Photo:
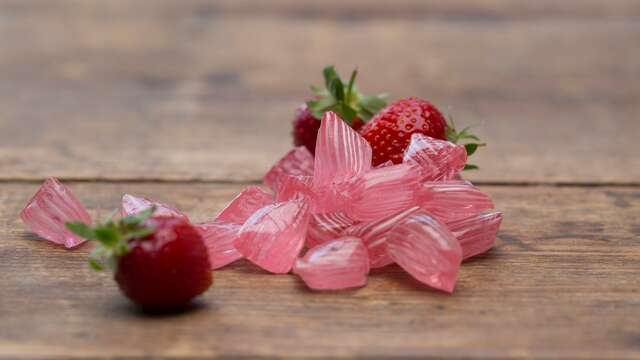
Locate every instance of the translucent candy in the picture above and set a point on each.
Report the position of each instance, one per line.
(476, 234)
(50, 208)
(219, 238)
(244, 205)
(298, 161)
(297, 187)
(341, 153)
(383, 192)
(326, 227)
(453, 199)
(132, 205)
(338, 264)
(274, 235)
(374, 235)
(426, 249)
(435, 159)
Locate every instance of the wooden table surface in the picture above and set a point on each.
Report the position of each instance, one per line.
(189, 101)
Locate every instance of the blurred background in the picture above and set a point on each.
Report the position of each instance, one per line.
(206, 90)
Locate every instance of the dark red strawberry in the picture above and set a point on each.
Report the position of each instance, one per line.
(390, 131)
(305, 128)
(343, 99)
(159, 262)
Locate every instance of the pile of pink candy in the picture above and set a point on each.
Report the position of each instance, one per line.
(350, 216)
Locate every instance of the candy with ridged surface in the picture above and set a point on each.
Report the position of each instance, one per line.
(50, 208)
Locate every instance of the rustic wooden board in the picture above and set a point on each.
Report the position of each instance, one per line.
(191, 90)
(562, 281)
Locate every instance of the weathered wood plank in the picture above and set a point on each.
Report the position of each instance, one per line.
(562, 281)
(343, 10)
(97, 90)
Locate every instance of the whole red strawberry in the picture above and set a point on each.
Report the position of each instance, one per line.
(343, 99)
(159, 262)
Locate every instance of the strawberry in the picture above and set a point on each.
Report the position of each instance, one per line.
(343, 99)
(159, 262)
(389, 132)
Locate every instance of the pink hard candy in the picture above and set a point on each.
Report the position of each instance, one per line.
(219, 238)
(297, 188)
(274, 235)
(435, 159)
(453, 199)
(341, 153)
(50, 208)
(244, 205)
(384, 191)
(132, 205)
(476, 234)
(427, 250)
(297, 162)
(326, 227)
(374, 235)
(338, 264)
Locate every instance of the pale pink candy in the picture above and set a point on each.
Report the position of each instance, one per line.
(132, 205)
(219, 238)
(453, 199)
(341, 153)
(326, 227)
(297, 187)
(436, 159)
(385, 164)
(337, 197)
(374, 235)
(338, 264)
(244, 205)
(384, 191)
(298, 162)
(477, 233)
(50, 208)
(273, 237)
(426, 249)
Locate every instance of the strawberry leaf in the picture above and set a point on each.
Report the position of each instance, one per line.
(113, 236)
(82, 230)
(344, 99)
(329, 73)
(463, 137)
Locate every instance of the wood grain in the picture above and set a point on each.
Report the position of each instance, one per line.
(206, 91)
(562, 281)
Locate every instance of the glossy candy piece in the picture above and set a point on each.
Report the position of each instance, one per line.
(383, 192)
(244, 205)
(435, 159)
(374, 235)
(476, 234)
(341, 153)
(219, 238)
(132, 205)
(297, 188)
(274, 235)
(297, 162)
(50, 208)
(326, 227)
(452, 200)
(338, 264)
(426, 249)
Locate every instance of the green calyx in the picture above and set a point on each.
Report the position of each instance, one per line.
(113, 237)
(463, 137)
(344, 99)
